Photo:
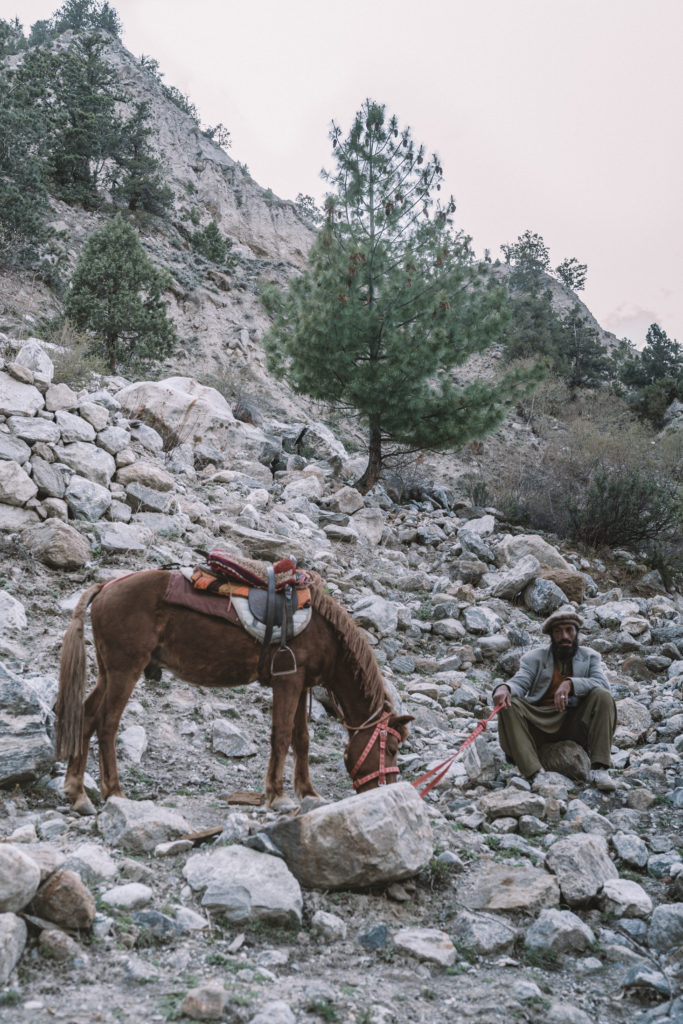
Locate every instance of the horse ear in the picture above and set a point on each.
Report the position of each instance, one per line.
(400, 723)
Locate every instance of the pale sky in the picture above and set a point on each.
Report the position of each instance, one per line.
(558, 116)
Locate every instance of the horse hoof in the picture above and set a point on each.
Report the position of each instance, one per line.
(84, 807)
(282, 803)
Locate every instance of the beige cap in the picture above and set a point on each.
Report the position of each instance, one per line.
(563, 615)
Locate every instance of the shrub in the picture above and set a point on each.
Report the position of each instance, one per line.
(624, 508)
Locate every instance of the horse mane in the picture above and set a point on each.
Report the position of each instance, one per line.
(357, 650)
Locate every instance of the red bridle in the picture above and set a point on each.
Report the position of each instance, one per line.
(380, 732)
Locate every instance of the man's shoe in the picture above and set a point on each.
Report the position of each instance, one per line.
(601, 779)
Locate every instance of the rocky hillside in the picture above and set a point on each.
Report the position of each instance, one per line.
(498, 901)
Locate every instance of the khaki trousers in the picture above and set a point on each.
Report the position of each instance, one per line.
(523, 728)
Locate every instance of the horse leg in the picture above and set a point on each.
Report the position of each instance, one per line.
(73, 782)
(120, 686)
(285, 701)
(300, 743)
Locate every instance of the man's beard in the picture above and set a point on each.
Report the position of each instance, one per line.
(564, 652)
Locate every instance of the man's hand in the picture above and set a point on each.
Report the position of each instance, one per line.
(502, 698)
(562, 694)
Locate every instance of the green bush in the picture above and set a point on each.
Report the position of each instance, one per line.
(624, 508)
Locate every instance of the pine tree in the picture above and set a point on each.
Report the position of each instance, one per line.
(391, 301)
(115, 292)
(137, 179)
(581, 358)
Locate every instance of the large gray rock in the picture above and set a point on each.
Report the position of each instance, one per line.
(113, 439)
(26, 752)
(19, 878)
(14, 519)
(512, 803)
(625, 898)
(86, 499)
(146, 473)
(512, 549)
(369, 524)
(73, 428)
(18, 399)
(245, 885)
(665, 933)
(631, 849)
(139, 826)
(57, 544)
(481, 621)
(33, 356)
(427, 944)
(633, 722)
(87, 460)
(582, 866)
(12, 613)
(92, 862)
(120, 537)
(60, 396)
(14, 448)
(510, 582)
(543, 597)
(16, 486)
(227, 739)
(13, 934)
(484, 934)
(566, 758)
(181, 410)
(147, 499)
(48, 478)
(496, 887)
(560, 931)
(380, 836)
(374, 612)
(33, 429)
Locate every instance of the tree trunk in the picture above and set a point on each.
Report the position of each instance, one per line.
(374, 466)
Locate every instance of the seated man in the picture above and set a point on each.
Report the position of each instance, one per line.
(559, 693)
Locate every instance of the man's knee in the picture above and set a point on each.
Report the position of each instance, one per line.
(600, 699)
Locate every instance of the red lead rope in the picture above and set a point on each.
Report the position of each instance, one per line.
(440, 770)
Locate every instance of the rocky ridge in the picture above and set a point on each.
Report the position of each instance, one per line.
(552, 902)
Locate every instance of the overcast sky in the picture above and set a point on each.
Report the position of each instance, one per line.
(560, 116)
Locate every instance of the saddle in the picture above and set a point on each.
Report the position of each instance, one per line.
(273, 595)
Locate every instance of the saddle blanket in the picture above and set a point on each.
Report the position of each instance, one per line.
(234, 609)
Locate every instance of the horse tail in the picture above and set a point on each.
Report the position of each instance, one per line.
(72, 678)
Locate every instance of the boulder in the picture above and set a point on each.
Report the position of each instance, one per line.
(374, 612)
(498, 887)
(57, 544)
(512, 581)
(148, 474)
(512, 803)
(428, 944)
(33, 429)
(64, 899)
(633, 722)
(245, 885)
(87, 460)
(369, 524)
(139, 826)
(19, 878)
(582, 866)
(571, 583)
(484, 934)
(14, 448)
(567, 758)
(665, 933)
(181, 410)
(625, 898)
(512, 549)
(74, 428)
(32, 355)
(13, 935)
(60, 396)
(560, 931)
(16, 486)
(18, 399)
(380, 836)
(86, 499)
(26, 752)
(543, 597)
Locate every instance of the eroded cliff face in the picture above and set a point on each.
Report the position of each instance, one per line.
(204, 176)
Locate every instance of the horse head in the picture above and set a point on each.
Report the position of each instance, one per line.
(372, 750)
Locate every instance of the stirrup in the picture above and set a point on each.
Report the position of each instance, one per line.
(287, 671)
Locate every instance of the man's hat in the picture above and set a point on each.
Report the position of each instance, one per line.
(563, 615)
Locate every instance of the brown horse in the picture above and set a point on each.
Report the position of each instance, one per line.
(135, 629)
